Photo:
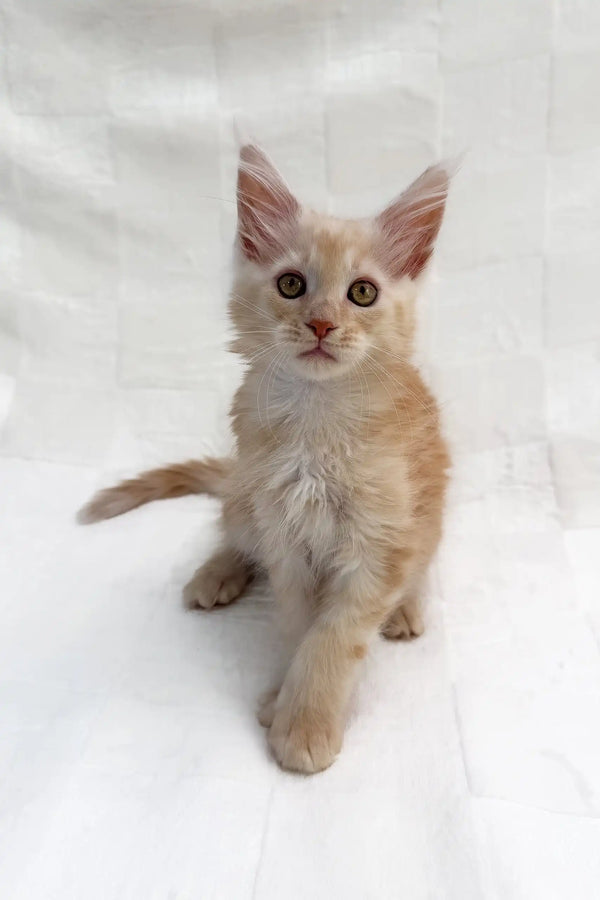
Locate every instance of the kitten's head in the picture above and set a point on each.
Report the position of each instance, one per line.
(320, 294)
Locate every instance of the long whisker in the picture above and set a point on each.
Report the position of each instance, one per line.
(402, 385)
(256, 331)
(386, 374)
(262, 349)
(384, 386)
(253, 307)
(269, 384)
(260, 387)
(255, 357)
(364, 379)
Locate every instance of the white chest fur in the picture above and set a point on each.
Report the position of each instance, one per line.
(306, 503)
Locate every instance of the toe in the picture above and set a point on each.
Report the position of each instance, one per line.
(404, 624)
(266, 708)
(302, 746)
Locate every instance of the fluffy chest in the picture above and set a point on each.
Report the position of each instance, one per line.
(316, 482)
(306, 501)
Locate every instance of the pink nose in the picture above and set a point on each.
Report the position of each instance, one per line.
(320, 328)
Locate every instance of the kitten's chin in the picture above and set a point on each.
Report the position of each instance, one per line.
(319, 366)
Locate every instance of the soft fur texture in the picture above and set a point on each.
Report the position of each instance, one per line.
(336, 489)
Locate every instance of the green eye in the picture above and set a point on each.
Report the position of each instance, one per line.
(363, 293)
(291, 285)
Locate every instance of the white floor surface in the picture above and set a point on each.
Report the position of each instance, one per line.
(131, 763)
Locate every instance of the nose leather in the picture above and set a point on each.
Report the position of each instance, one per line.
(320, 327)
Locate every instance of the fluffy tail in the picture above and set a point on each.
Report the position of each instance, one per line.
(205, 476)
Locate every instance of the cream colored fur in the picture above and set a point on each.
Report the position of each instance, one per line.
(337, 486)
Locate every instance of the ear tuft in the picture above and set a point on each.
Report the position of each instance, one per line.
(267, 210)
(409, 226)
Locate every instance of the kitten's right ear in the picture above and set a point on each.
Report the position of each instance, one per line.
(267, 211)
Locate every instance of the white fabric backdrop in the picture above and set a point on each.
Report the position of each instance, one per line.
(132, 764)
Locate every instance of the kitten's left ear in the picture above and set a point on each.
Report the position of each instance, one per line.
(267, 210)
(409, 226)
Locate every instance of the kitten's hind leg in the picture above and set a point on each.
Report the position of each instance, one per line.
(219, 581)
(406, 621)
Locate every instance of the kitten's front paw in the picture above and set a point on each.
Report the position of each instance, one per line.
(305, 744)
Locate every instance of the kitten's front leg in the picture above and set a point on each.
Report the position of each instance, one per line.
(292, 585)
(309, 716)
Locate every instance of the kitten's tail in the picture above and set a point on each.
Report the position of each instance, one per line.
(198, 476)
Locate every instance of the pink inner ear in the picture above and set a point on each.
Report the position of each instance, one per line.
(409, 226)
(267, 211)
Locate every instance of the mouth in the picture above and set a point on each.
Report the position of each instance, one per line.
(317, 352)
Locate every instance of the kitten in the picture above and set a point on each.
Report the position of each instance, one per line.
(337, 485)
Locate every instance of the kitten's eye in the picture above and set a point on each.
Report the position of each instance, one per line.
(363, 293)
(291, 285)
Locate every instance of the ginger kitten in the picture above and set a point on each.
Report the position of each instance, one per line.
(336, 488)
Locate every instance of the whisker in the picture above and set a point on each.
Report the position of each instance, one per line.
(261, 353)
(269, 383)
(363, 378)
(257, 331)
(259, 390)
(387, 375)
(252, 306)
(262, 350)
(405, 387)
(384, 386)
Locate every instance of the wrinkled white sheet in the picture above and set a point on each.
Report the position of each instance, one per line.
(132, 767)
